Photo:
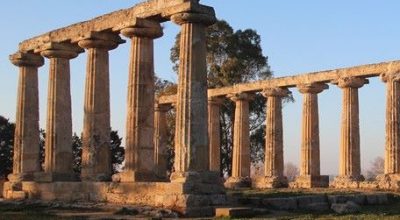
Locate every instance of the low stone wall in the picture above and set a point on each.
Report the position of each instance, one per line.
(187, 199)
(320, 203)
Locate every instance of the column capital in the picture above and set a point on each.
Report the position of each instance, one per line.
(215, 100)
(390, 77)
(100, 40)
(351, 82)
(241, 96)
(22, 59)
(275, 92)
(313, 88)
(59, 50)
(145, 32)
(186, 17)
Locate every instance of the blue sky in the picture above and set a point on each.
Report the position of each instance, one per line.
(297, 36)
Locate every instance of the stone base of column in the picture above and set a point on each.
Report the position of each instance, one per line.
(134, 176)
(349, 182)
(238, 182)
(269, 182)
(207, 177)
(388, 181)
(20, 177)
(310, 181)
(100, 177)
(47, 177)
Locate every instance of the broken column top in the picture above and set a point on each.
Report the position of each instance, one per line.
(146, 14)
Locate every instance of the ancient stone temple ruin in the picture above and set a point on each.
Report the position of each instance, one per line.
(195, 186)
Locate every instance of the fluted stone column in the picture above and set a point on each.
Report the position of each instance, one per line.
(392, 145)
(241, 142)
(191, 134)
(58, 146)
(214, 139)
(349, 166)
(161, 139)
(96, 158)
(26, 137)
(139, 151)
(273, 169)
(310, 155)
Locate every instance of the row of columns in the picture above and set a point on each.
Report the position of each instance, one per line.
(310, 176)
(143, 162)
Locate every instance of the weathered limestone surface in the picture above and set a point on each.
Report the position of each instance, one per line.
(392, 148)
(273, 176)
(96, 159)
(310, 154)
(26, 140)
(160, 10)
(58, 150)
(191, 135)
(327, 76)
(160, 140)
(350, 166)
(241, 142)
(139, 151)
(214, 105)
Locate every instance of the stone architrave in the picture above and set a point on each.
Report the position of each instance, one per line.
(26, 138)
(96, 158)
(139, 150)
(214, 139)
(349, 166)
(241, 142)
(191, 134)
(58, 145)
(274, 163)
(160, 140)
(310, 175)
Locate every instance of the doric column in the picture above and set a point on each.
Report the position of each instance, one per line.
(273, 169)
(26, 137)
(392, 143)
(139, 150)
(191, 139)
(214, 105)
(349, 166)
(241, 142)
(96, 158)
(161, 139)
(58, 145)
(310, 154)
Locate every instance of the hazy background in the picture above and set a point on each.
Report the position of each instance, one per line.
(297, 36)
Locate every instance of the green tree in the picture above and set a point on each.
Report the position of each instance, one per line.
(6, 146)
(77, 153)
(235, 57)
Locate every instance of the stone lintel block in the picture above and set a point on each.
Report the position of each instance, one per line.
(310, 181)
(237, 182)
(59, 46)
(134, 176)
(236, 212)
(158, 10)
(269, 182)
(55, 177)
(105, 36)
